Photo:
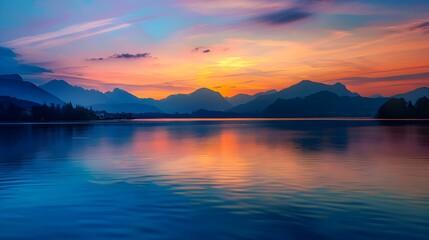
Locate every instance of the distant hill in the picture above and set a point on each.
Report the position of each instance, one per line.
(325, 104)
(414, 95)
(202, 98)
(377, 95)
(6, 101)
(14, 86)
(302, 89)
(245, 98)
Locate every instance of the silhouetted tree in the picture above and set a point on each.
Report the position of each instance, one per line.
(65, 113)
(394, 108)
(399, 108)
(422, 108)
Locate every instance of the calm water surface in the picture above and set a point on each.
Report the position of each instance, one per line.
(215, 180)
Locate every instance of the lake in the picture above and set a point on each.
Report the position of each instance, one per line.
(215, 179)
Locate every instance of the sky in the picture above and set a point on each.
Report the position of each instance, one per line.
(157, 48)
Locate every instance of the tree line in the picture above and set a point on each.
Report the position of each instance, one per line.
(400, 108)
(14, 110)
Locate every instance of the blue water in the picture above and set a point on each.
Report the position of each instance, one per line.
(215, 179)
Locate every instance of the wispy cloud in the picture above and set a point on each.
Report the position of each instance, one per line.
(363, 80)
(424, 26)
(123, 56)
(417, 25)
(68, 39)
(72, 33)
(77, 28)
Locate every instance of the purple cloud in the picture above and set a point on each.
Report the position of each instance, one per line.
(284, 16)
(123, 56)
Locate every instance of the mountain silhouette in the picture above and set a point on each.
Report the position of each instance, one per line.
(325, 104)
(13, 85)
(116, 101)
(74, 94)
(245, 98)
(121, 96)
(304, 99)
(202, 98)
(301, 89)
(414, 95)
(119, 100)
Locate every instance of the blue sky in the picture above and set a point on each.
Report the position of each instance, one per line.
(230, 46)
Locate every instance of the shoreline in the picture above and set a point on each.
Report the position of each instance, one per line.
(136, 120)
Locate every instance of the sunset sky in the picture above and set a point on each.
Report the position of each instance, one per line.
(157, 48)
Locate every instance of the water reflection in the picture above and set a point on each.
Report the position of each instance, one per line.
(215, 179)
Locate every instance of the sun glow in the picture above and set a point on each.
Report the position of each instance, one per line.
(234, 63)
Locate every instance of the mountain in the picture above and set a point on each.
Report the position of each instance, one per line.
(377, 95)
(13, 85)
(6, 101)
(245, 98)
(325, 104)
(202, 98)
(121, 96)
(414, 95)
(74, 94)
(302, 89)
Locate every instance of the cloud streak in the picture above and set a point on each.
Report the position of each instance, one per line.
(421, 26)
(72, 33)
(363, 80)
(73, 29)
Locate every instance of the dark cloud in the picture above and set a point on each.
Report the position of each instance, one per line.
(9, 64)
(31, 69)
(128, 55)
(123, 56)
(201, 49)
(284, 16)
(7, 52)
(95, 59)
(421, 26)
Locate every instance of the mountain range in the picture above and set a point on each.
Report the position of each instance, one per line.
(202, 98)
(297, 100)
(114, 101)
(301, 89)
(325, 104)
(245, 98)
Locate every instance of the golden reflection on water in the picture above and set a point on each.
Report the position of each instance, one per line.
(238, 156)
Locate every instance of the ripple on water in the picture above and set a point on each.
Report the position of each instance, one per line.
(215, 180)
